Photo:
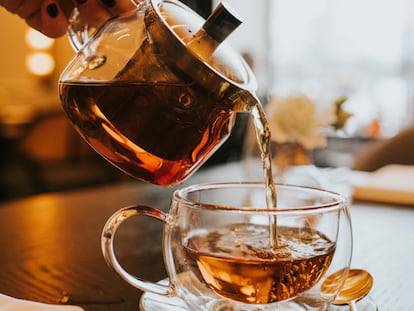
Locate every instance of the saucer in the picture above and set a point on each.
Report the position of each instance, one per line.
(366, 304)
(154, 302)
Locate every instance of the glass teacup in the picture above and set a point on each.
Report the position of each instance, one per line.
(219, 253)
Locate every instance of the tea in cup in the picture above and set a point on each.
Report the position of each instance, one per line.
(225, 250)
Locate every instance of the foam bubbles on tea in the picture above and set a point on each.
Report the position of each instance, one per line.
(237, 263)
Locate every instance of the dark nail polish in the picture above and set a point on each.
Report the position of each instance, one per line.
(109, 3)
(52, 10)
(81, 1)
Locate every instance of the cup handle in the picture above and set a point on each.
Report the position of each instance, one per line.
(107, 244)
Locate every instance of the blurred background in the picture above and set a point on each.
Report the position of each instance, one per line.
(359, 49)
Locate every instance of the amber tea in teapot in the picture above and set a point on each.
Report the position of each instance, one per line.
(152, 95)
(154, 131)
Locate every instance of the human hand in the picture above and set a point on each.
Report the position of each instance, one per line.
(51, 16)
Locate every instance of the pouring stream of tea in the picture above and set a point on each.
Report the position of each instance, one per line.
(263, 140)
(261, 125)
(216, 28)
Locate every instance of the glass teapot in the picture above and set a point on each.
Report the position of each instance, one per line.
(155, 91)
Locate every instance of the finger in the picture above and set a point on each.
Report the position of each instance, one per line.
(93, 12)
(66, 6)
(23, 8)
(117, 7)
(11, 5)
(49, 19)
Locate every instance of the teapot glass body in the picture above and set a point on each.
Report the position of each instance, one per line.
(145, 103)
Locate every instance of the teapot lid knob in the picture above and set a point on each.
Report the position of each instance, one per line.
(222, 22)
(192, 45)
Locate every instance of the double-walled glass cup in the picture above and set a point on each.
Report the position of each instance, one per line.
(225, 250)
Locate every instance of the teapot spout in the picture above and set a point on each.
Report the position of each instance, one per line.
(245, 101)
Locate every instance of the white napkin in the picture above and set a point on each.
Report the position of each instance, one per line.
(12, 304)
(392, 183)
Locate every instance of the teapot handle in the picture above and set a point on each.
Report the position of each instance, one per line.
(78, 31)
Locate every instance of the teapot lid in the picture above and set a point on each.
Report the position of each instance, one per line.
(171, 25)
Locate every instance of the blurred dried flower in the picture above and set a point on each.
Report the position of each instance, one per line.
(341, 115)
(298, 119)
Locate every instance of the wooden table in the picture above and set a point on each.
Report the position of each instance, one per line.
(50, 246)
